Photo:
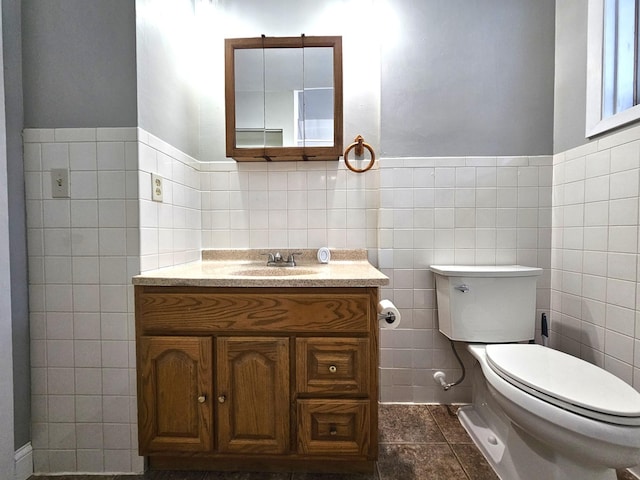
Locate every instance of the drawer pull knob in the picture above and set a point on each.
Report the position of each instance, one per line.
(333, 369)
(332, 431)
(222, 399)
(202, 399)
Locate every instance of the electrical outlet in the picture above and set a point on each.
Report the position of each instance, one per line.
(156, 187)
(59, 183)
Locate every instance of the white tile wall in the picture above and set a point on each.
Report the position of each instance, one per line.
(594, 296)
(288, 205)
(170, 231)
(407, 212)
(82, 253)
(452, 210)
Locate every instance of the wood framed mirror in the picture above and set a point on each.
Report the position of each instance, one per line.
(283, 98)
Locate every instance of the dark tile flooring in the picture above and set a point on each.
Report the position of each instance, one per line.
(416, 442)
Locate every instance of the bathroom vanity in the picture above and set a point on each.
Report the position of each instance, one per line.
(245, 367)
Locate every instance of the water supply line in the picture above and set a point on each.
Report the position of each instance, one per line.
(440, 377)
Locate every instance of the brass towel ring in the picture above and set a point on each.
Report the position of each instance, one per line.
(359, 145)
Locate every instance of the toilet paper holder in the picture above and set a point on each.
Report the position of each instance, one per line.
(388, 317)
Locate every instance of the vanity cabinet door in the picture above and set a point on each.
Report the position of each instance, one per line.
(174, 394)
(253, 394)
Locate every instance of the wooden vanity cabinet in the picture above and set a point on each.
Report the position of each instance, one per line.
(257, 378)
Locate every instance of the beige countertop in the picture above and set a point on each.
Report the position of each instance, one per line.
(247, 268)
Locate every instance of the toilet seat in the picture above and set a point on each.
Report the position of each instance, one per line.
(566, 381)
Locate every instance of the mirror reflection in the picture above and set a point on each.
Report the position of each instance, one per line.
(286, 100)
(284, 97)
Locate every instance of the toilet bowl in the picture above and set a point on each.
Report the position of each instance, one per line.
(532, 433)
(536, 413)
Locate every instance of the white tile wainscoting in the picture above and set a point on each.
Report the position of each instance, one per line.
(595, 273)
(82, 253)
(574, 214)
(465, 210)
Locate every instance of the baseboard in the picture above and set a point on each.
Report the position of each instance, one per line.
(24, 462)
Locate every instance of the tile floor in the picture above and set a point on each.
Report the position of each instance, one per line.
(417, 442)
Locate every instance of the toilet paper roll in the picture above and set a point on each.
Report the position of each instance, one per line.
(388, 314)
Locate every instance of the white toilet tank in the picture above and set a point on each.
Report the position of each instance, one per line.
(487, 304)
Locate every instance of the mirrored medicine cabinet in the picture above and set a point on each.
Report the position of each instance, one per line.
(283, 98)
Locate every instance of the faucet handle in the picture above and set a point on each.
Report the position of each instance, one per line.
(270, 257)
(291, 259)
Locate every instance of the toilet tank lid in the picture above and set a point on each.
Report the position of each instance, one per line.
(486, 270)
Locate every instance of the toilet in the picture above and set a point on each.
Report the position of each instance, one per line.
(536, 412)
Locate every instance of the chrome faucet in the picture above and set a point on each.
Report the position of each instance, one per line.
(277, 260)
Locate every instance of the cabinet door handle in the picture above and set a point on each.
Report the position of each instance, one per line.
(222, 398)
(333, 369)
(202, 398)
(333, 431)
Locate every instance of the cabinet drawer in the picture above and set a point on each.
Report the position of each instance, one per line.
(210, 310)
(332, 365)
(333, 427)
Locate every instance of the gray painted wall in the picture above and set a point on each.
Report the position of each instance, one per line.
(460, 78)
(168, 100)
(79, 63)
(469, 78)
(571, 75)
(17, 224)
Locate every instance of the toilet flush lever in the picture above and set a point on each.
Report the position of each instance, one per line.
(463, 288)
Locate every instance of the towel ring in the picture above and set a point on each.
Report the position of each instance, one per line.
(359, 145)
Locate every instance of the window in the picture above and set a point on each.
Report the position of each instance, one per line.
(613, 93)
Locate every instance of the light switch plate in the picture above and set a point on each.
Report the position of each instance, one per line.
(59, 183)
(156, 187)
